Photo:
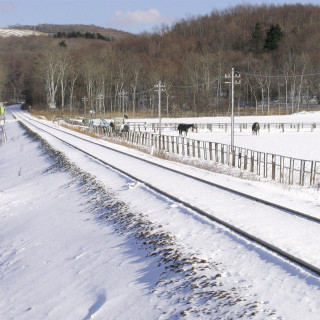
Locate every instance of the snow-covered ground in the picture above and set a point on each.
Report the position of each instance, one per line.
(5, 32)
(290, 143)
(80, 241)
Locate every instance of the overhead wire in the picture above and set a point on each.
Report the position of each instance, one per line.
(279, 75)
(286, 76)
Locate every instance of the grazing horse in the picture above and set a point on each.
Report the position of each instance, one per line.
(255, 128)
(184, 127)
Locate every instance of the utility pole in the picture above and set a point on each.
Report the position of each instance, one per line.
(233, 82)
(159, 88)
(232, 108)
(100, 97)
(85, 99)
(123, 94)
(70, 106)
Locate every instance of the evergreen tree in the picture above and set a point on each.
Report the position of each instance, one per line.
(257, 39)
(62, 44)
(273, 37)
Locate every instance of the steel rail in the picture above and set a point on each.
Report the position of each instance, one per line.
(267, 245)
(236, 192)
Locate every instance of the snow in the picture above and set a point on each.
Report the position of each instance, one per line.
(81, 241)
(4, 33)
(289, 143)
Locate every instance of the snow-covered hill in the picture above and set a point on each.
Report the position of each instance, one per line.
(4, 33)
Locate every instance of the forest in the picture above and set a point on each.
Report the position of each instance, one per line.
(274, 51)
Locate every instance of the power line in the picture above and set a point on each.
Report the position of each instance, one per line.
(200, 84)
(286, 76)
(279, 75)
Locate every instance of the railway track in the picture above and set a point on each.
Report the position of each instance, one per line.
(58, 132)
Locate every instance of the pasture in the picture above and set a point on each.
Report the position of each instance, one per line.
(285, 150)
(304, 144)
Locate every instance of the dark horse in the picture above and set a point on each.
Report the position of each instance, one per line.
(184, 127)
(255, 128)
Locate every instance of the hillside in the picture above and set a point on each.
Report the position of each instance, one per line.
(190, 58)
(52, 29)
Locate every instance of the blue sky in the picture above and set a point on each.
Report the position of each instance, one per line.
(128, 15)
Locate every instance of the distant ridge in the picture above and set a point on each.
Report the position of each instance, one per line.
(52, 29)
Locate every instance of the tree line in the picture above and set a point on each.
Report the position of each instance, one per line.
(86, 35)
(273, 49)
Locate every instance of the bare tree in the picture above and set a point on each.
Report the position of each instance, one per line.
(135, 71)
(73, 76)
(3, 80)
(51, 73)
(65, 65)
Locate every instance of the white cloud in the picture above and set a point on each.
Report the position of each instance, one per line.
(138, 17)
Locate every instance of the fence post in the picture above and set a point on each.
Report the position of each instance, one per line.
(291, 171)
(302, 170)
(155, 142)
(252, 162)
(188, 146)
(205, 152)
(216, 152)
(149, 139)
(210, 150)
(281, 169)
(199, 152)
(245, 160)
(273, 175)
(222, 153)
(314, 173)
(177, 139)
(239, 158)
(172, 143)
(311, 172)
(258, 162)
(182, 146)
(265, 167)
(233, 159)
(290, 164)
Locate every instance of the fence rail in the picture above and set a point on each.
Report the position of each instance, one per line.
(225, 127)
(282, 169)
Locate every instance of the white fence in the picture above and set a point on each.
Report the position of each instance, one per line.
(225, 127)
(282, 169)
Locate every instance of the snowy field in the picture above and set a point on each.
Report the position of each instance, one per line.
(72, 243)
(290, 143)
